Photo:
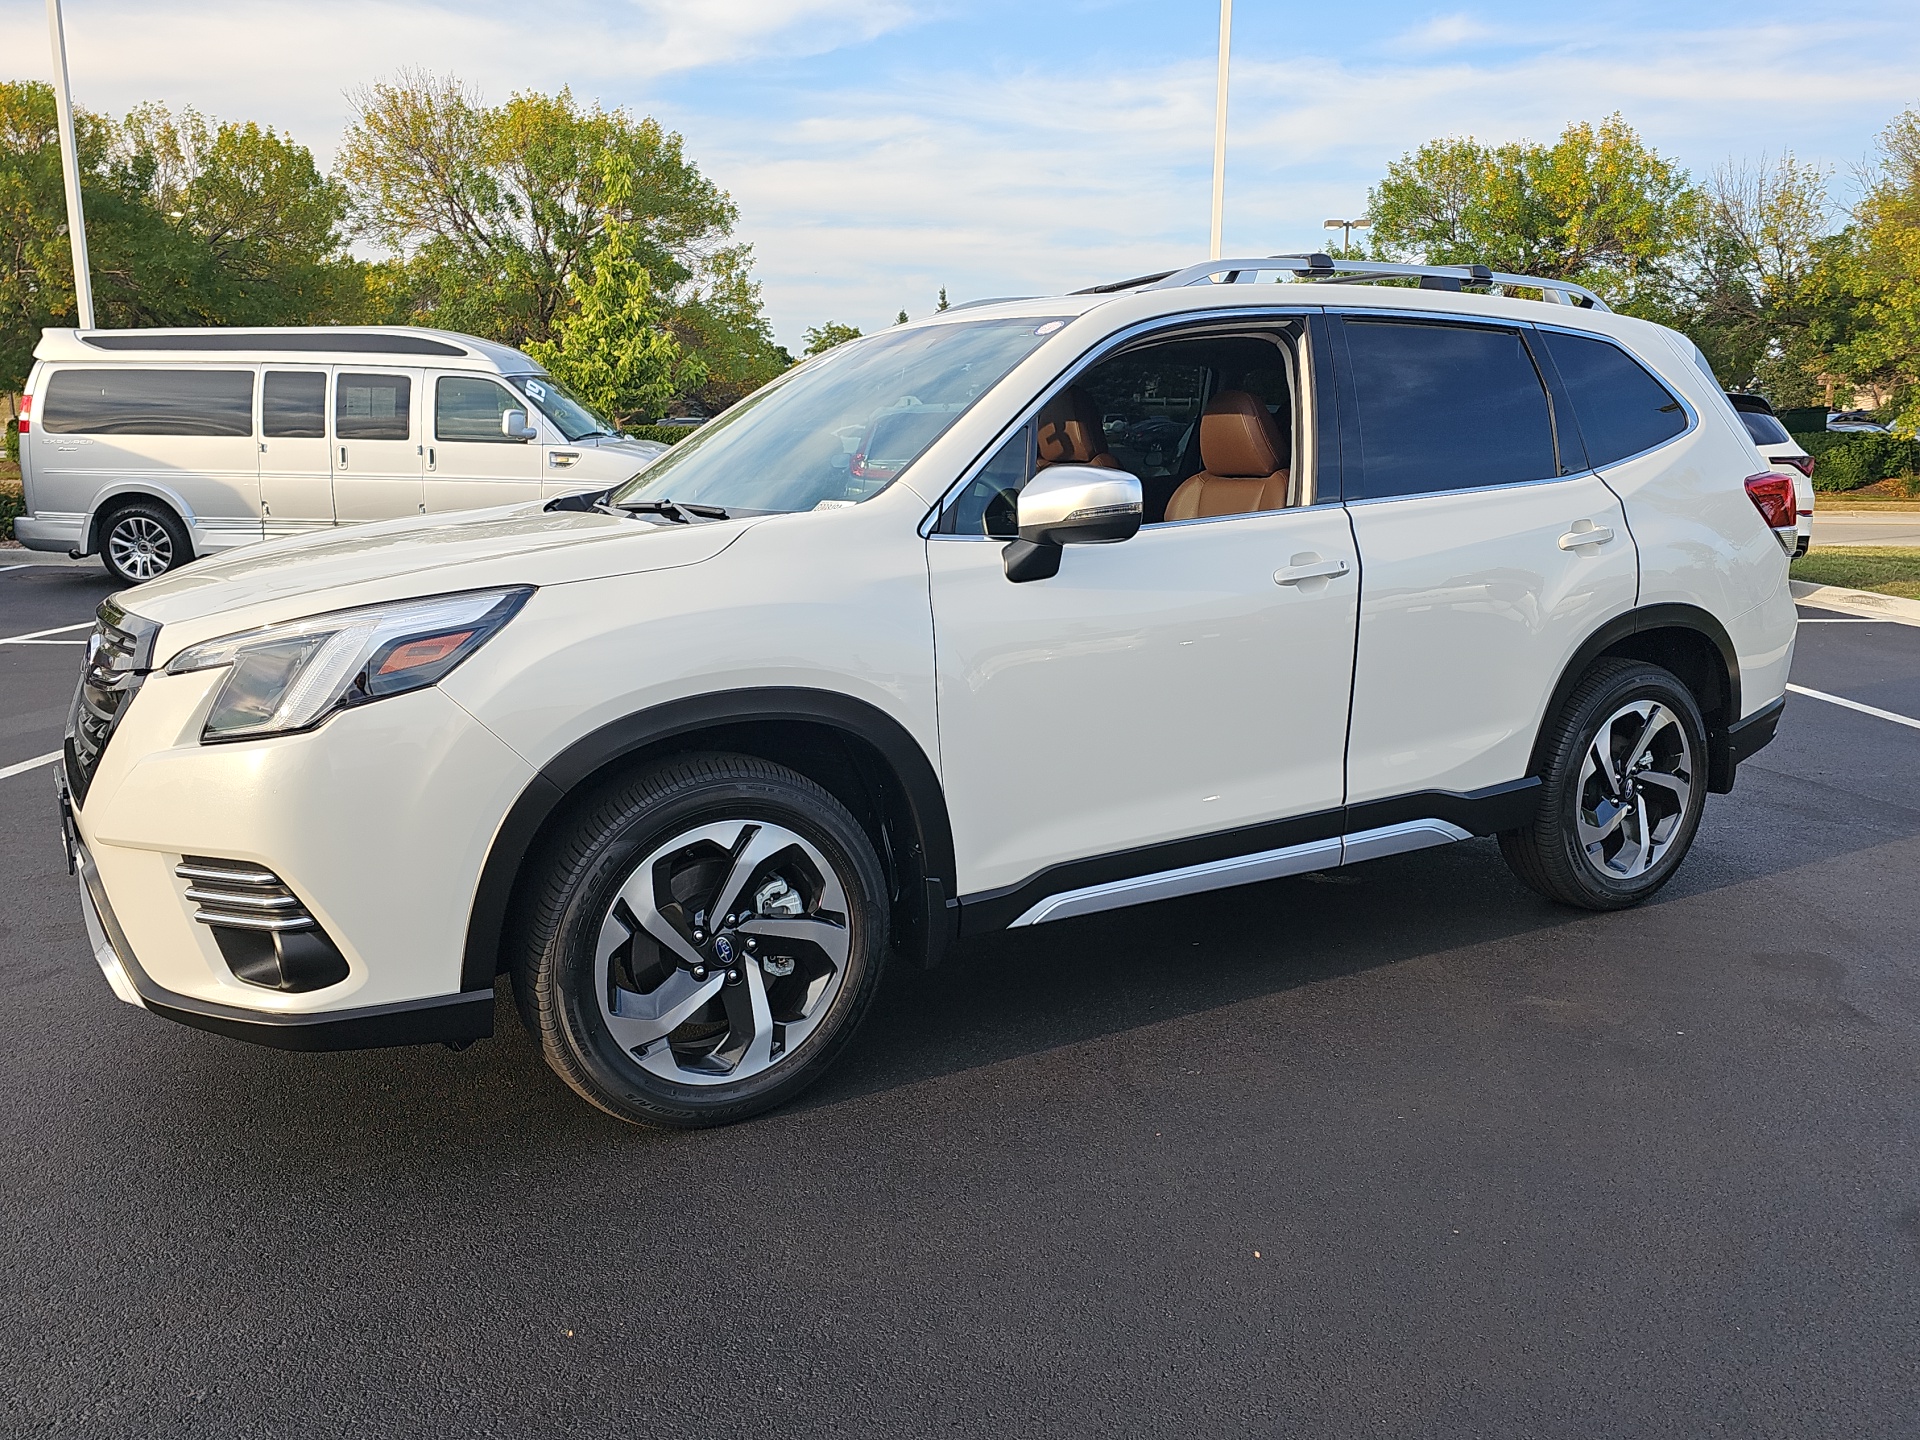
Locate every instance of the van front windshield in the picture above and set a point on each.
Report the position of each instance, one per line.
(838, 429)
(569, 416)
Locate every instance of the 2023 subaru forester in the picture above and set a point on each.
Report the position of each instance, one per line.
(1023, 612)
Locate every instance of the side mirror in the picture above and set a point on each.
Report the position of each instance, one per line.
(1071, 505)
(513, 425)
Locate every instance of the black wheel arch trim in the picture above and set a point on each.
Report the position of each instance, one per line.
(1666, 616)
(558, 778)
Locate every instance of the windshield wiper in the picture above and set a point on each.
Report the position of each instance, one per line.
(676, 511)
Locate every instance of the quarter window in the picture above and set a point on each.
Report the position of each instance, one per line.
(466, 408)
(1447, 407)
(148, 402)
(293, 405)
(1621, 408)
(372, 407)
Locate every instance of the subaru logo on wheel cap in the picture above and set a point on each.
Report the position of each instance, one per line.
(723, 949)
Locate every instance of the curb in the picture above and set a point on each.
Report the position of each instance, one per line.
(1856, 602)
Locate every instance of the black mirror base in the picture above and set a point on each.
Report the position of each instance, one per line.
(1026, 560)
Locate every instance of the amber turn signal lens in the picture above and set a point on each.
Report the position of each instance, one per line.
(422, 652)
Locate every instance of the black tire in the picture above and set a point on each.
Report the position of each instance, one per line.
(142, 540)
(562, 978)
(1553, 855)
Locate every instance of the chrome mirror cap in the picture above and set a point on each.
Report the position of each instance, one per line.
(1080, 505)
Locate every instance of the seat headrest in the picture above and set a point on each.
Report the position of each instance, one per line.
(1238, 436)
(1070, 432)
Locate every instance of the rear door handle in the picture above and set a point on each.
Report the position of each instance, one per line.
(1312, 570)
(343, 457)
(1591, 534)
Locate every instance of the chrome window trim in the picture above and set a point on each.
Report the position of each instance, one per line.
(1098, 351)
(1588, 474)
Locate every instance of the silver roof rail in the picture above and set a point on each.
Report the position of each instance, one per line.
(1325, 270)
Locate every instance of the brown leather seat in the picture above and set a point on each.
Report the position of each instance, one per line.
(1242, 449)
(1070, 432)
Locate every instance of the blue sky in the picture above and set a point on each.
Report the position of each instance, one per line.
(879, 149)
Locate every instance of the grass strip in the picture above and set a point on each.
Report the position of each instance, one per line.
(1884, 569)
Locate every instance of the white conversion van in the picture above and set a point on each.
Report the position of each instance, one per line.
(153, 447)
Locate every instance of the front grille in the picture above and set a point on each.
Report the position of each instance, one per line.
(266, 936)
(245, 897)
(119, 652)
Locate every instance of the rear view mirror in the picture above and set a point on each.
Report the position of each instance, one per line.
(1071, 505)
(513, 425)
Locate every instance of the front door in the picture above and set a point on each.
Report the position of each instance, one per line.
(378, 452)
(471, 462)
(296, 459)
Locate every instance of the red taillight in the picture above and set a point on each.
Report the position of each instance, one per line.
(26, 407)
(1772, 495)
(1802, 463)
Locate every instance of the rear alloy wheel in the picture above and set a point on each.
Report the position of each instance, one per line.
(1624, 787)
(143, 541)
(705, 942)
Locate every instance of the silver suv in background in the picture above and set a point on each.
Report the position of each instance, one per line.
(154, 447)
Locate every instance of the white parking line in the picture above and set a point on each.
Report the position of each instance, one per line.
(5, 568)
(33, 635)
(1848, 620)
(1845, 703)
(25, 765)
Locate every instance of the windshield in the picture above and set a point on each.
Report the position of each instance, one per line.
(550, 397)
(840, 428)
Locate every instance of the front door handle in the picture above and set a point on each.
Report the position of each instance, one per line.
(1585, 532)
(343, 457)
(1304, 569)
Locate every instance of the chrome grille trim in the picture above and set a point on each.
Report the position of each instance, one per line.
(119, 652)
(239, 895)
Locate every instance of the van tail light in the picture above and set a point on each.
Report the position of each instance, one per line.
(1772, 495)
(1802, 463)
(26, 409)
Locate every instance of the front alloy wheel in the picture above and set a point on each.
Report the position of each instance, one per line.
(703, 942)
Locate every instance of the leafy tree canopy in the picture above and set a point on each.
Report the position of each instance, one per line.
(828, 335)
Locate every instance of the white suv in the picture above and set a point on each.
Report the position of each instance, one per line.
(1019, 613)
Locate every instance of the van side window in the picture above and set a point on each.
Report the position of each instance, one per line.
(1447, 407)
(372, 407)
(148, 402)
(467, 408)
(1621, 408)
(293, 405)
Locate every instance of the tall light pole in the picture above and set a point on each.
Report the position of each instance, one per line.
(70, 169)
(1346, 227)
(1219, 125)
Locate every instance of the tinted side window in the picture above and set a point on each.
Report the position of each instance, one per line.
(148, 402)
(372, 407)
(1764, 429)
(468, 408)
(1621, 408)
(989, 504)
(1447, 407)
(293, 405)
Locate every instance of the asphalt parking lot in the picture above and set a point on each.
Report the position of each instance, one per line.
(1396, 1151)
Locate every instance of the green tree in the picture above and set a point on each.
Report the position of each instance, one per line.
(943, 299)
(495, 212)
(612, 345)
(826, 336)
(901, 318)
(1597, 206)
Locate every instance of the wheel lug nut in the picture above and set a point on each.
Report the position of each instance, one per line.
(751, 943)
(699, 972)
(699, 937)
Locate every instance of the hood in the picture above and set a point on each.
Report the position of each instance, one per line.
(640, 450)
(420, 555)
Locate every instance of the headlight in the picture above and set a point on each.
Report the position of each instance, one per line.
(291, 677)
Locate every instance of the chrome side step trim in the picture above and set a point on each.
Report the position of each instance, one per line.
(1245, 869)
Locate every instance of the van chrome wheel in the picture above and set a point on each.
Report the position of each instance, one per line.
(722, 951)
(139, 547)
(1636, 781)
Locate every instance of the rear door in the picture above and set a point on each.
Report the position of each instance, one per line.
(296, 458)
(1488, 552)
(378, 452)
(471, 462)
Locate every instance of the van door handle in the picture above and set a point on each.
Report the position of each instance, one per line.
(343, 457)
(1310, 570)
(1585, 532)
(561, 459)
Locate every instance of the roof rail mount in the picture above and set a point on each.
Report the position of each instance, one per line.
(1317, 268)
